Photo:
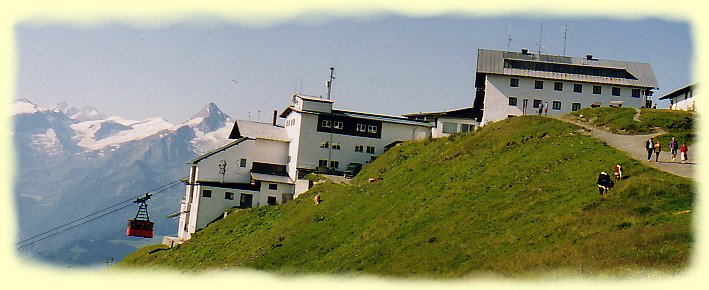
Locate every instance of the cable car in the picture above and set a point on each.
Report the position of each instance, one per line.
(141, 226)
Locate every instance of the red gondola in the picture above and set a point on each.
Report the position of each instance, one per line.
(141, 226)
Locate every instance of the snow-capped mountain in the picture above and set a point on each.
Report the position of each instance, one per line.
(72, 162)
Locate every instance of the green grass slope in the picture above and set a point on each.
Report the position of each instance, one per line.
(516, 198)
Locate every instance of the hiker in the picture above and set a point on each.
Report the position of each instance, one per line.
(683, 152)
(617, 172)
(546, 108)
(604, 183)
(649, 146)
(673, 149)
(541, 108)
(658, 149)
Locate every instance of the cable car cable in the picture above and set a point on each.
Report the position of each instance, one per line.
(157, 190)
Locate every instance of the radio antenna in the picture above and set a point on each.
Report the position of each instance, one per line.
(564, 29)
(541, 28)
(509, 36)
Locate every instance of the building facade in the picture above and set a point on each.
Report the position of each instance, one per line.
(448, 122)
(681, 99)
(511, 84)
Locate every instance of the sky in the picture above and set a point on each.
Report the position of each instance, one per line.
(387, 63)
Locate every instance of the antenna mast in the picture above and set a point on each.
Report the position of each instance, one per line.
(509, 36)
(541, 28)
(564, 29)
(329, 82)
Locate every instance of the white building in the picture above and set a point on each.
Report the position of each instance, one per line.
(448, 122)
(510, 84)
(264, 163)
(682, 98)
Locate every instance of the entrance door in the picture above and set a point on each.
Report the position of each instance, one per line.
(245, 200)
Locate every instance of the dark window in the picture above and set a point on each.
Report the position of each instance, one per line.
(539, 85)
(370, 149)
(229, 195)
(273, 186)
(596, 90)
(334, 164)
(615, 91)
(514, 82)
(361, 128)
(575, 106)
(336, 146)
(372, 129)
(466, 127)
(326, 123)
(242, 162)
(271, 200)
(556, 105)
(324, 144)
(206, 193)
(512, 101)
(635, 93)
(536, 103)
(337, 125)
(558, 86)
(511, 116)
(578, 88)
(322, 162)
(359, 148)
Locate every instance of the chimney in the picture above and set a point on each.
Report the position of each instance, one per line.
(275, 114)
(525, 51)
(589, 56)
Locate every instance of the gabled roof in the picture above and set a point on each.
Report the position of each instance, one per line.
(215, 151)
(679, 92)
(370, 116)
(581, 69)
(256, 130)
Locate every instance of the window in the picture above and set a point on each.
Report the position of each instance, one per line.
(271, 200)
(322, 162)
(334, 164)
(370, 149)
(615, 91)
(539, 85)
(536, 103)
(229, 195)
(361, 128)
(335, 146)
(359, 148)
(511, 116)
(578, 88)
(242, 162)
(514, 82)
(556, 105)
(324, 144)
(512, 101)
(207, 193)
(337, 124)
(449, 127)
(288, 159)
(372, 129)
(466, 127)
(273, 186)
(575, 106)
(558, 86)
(596, 90)
(326, 123)
(635, 93)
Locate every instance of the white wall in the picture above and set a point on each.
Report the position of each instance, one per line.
(498, 90)
(684, 102)
(437, 131)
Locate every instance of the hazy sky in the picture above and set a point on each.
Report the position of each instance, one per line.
(385, 64)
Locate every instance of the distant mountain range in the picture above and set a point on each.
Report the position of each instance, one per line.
(73, 162)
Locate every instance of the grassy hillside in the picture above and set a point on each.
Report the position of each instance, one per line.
(516, 198)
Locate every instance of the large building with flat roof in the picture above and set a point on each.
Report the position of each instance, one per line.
(509, 84)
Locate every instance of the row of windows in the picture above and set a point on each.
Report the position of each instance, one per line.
(207, 193)
(333, 163)
(339, 125)
(336, 146)
(450, 128)
(290, 122)
(555, 105)
(578, 88)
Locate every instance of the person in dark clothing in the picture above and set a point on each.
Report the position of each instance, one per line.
(604, 183)
(650, 147)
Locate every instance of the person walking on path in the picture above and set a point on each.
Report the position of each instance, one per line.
(649, 146)
(673, 149)
(541, 108)
(546, 108)
(658, 149)
(683, 152)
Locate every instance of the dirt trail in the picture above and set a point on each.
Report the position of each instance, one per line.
(634, 146)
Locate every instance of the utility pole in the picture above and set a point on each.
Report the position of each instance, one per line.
(332, 122)
(329, 82)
